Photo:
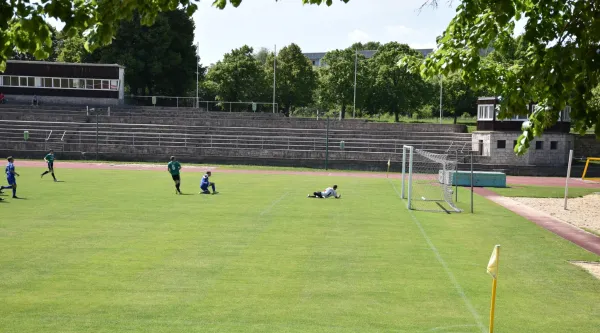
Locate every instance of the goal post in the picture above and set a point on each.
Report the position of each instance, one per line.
(427, 180)
(591, 171)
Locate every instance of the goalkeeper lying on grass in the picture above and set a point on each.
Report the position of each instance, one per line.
(329, 192)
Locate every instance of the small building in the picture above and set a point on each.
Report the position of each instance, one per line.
(63, 83)
(496, 138)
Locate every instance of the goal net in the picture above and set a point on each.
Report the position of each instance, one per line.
(591, 171)
(427, 180)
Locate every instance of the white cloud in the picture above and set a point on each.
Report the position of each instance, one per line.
(398, 31)
(358, 36)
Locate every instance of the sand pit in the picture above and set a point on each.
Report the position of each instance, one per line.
(582, 212)
(592, 267)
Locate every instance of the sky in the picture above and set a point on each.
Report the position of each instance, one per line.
(266, 23)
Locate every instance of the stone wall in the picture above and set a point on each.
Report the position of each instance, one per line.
(586, 146)
(553, 149)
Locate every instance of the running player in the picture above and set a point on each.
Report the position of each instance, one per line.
(329, 192)
(205, 183)
(174, 168)
(11, 177)
(49, 159)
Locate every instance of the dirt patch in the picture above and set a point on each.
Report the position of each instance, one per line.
(582, 212)
(592, 267)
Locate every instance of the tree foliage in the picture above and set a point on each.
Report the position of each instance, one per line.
(295, 78)
(160, 59)
(239, 77)
(336, 79)
(24, 29)
(70, 48)
(397, 89)
(561, 51)
(458, 98)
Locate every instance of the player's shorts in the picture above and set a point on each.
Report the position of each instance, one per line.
(11, 180)
(176, 177)
(204, 187)
(50, 165)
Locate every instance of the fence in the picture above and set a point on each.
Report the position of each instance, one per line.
(190, 102)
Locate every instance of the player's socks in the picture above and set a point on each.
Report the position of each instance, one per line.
(53, 176)
(45, 173)
(178, 190)
(14, 192)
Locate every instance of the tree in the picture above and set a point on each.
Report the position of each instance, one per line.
(70, 49)
(160, 59)
(458, 97)
(239, 77)
(262, 55)
(366, 46)
(562, 52)
(54, 50)
(24, 29)
(398, 89)
(296, 79)
(336, 79)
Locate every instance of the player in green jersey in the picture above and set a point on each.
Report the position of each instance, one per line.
(174, 168)
(49, 158)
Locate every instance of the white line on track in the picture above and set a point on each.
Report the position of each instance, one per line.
(447, 269)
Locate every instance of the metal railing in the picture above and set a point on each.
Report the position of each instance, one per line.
(193, 103)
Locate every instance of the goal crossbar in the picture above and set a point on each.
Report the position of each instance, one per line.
(585, 176)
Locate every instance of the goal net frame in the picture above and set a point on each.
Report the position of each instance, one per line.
(585, 169)
(430, 173)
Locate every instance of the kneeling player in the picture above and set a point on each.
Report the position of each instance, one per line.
(329, 192)
(205, 183)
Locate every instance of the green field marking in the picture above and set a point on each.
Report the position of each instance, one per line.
(524, 191)
(118, 251)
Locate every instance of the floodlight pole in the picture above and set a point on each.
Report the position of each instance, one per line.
(197, 72)
(441, 89)
(355, 70)
(274, 74)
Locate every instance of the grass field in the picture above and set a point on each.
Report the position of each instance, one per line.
(118, 251)
(543, 191)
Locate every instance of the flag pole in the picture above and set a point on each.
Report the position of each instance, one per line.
(494, 284)
(388, 169)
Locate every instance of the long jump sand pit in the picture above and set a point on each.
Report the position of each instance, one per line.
(592, 267)
(582, 212)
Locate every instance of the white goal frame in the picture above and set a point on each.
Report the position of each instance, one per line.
(446, 173)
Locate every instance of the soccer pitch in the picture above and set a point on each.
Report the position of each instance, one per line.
(118, 251)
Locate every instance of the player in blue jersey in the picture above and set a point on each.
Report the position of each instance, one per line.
(205, 183)
(11, 177)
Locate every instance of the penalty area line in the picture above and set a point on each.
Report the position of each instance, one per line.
(447, 269)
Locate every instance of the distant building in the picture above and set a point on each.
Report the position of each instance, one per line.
(60, 82)
(316, 57)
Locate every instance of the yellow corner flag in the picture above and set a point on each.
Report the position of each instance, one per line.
(388, 170)
(492, 269)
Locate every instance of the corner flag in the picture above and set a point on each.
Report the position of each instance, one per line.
(492, 267)
(388, 169)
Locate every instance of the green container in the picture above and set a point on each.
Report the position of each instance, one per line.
(342, 144)
(26, 135)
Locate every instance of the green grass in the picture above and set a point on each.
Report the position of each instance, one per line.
(543, 191)
(118, 251)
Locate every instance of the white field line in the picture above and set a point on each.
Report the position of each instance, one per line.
(447, 269)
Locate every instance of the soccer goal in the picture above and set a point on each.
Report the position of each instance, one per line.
(591, 171)
(427, 180)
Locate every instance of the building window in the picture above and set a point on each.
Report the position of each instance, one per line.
(501, 144)
(553, 145)
(56, 83)
(14, 81)
(97, 84)
(38, 82)
(31, 81)
(485, 112)
(48, 82)
(539, 145)
(23, 81)
(64, 83)
(514, 143)
(89, 84)
(114, 84)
